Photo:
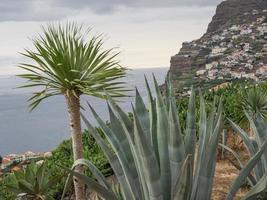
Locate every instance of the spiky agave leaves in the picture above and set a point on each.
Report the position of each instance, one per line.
(259, 188)
(152, 157)
(256, 147)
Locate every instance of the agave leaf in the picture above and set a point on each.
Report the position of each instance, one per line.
(190, 132)
(244, 136)
(137, 176)
(250, 147)
(245, 171)
(120, 134)
(201, 145)
(258, 189)
(40, 175)
(66, 186)
(251, 179)
(258, 135)
(26, 186)
(224, 137)
(152, 120)
(142, 113)
(176, 143)
(208, 164)
(183, 185)
(261, 129)
(113, 137)
(211, 122)
(51, 182)
(91, 183)
(30, 174)
(19, 175)
(140, 186)
(162, 131)
(14, 189)
(169, 92)
(97, 174)
(150, 165)
(123, 117)
(12, 184)
(123, 175)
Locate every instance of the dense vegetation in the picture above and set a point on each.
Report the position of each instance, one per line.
(62, 155)
(232, 94)
(153, 160)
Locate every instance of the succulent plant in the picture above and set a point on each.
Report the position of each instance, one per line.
(33, 183)
(256, 147)
(151, 156)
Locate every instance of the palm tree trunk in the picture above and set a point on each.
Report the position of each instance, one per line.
(73, 104)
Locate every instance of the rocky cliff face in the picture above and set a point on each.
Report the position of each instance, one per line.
(234, 47)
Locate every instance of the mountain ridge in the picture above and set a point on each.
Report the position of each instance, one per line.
(234, 47)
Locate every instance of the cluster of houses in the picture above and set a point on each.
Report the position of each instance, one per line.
(239, 51)
(16, 162)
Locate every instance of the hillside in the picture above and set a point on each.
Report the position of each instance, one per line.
(234, 47)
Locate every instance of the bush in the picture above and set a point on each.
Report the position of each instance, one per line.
(4, 192)
(232, 95)
(62, 155)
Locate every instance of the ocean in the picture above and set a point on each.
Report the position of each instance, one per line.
(45, 127)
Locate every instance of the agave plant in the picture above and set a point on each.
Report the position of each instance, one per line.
(256, 147)
(33, 183)
(152, 157)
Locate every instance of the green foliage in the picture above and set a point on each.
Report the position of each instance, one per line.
(254, 100)
(34, 182)
(4, 192)
(149, 155)
(235, 95)
(63, 156)
(67, 59)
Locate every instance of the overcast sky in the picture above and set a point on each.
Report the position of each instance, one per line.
(147, 32)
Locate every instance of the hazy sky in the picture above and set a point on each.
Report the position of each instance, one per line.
(147, 32)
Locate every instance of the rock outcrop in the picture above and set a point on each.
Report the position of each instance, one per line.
(234, 47)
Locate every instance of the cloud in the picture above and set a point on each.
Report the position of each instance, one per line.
(32, 10)
(112, 4)
(44, 10)
(146, 38)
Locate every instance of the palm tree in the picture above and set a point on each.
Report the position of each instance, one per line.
(67, 61)
(253, 100)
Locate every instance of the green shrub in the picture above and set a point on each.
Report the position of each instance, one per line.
(62, 155)
(4, 192)
(233, 95)
(33, 183)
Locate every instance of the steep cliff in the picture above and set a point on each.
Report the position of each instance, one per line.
(234, 47)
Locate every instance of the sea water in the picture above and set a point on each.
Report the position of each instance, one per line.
(46, 126)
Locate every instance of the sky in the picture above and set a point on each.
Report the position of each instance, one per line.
(146, 32)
